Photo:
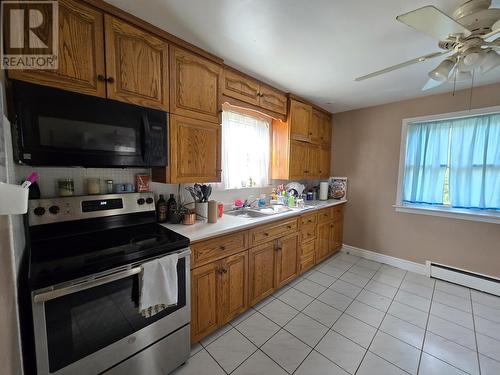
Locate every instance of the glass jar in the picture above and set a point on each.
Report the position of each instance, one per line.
(93, 186)
(66, 187)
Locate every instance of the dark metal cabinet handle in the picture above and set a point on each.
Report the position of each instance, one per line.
(110, 80)
(222, 248)
(266, 234)
(101, 78)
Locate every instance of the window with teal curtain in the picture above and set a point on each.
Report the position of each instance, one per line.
(454, 162)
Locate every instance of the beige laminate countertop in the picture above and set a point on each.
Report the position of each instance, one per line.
(228, 223)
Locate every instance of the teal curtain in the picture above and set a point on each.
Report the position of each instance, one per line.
(475, 162)
(426, 162)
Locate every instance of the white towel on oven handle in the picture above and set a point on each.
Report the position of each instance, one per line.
(158, 285)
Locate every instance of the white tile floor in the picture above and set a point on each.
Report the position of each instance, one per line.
(356, 316)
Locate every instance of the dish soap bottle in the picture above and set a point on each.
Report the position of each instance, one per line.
(171, 207)
(161, 209)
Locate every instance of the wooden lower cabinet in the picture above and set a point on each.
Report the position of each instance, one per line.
(261, 272)
(287, 259)
(204, 286)
(233, 287)
(323, 242)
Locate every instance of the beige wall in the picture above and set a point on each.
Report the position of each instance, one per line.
(365, 148)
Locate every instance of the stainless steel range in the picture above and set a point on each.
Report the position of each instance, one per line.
(85, 257)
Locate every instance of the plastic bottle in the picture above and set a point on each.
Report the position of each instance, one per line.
(171, 207)
(161, 209)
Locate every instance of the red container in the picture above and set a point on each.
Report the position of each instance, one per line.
(220, 209)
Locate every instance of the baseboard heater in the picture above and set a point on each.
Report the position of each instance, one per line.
(469, 279)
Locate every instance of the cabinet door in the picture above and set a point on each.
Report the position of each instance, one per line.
(300, 120)
(287, 259)
(272, 100)
(195, 86)
(316, 125)
(234, 286)
(323, 241)
(313, 160)
(299, 152)
(81, 52)
(261, 271)
(136, 65)
(204, 286)
(194, 150)
(325, 130)
(240, 87)
(324, 162)
(336, 235)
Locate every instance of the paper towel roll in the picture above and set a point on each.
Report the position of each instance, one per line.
(212, 211)
(323, 191)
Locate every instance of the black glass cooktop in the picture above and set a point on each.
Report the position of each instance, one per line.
(66, 251)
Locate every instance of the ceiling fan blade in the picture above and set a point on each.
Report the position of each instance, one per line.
(495, 31)
(432, 84)
(402, 65)
(430, 20)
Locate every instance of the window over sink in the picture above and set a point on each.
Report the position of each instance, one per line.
(245, 148)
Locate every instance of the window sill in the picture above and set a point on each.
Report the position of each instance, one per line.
(453, 213)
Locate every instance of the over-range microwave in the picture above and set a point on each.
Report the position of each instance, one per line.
(54, 127)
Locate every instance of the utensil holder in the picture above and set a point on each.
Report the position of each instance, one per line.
(13, 199)
(212, 211)
(201, 209)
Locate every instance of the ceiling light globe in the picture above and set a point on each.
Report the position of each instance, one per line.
(442, 71)
(491, 61)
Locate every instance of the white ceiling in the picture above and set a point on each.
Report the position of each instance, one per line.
(313, 48)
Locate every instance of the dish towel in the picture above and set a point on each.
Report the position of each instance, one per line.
(158, 285)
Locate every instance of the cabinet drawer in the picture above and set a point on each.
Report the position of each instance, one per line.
(337, 212)
(324, 215)
(307, 232)
(307, 248)
(309, 219)
(306, 262)
(217, 248)
(271, 231)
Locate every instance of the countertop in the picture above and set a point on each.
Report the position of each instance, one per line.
(228, 223)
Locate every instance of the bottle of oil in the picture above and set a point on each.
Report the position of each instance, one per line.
(161, 210)
(171, 207)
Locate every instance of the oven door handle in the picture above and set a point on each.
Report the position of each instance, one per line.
(74, 288)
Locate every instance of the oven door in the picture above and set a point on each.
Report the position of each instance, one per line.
(91, 325)
(60, 128)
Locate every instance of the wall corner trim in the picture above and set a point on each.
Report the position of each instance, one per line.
(387, 259)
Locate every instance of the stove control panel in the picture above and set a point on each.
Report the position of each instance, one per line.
(54, 210)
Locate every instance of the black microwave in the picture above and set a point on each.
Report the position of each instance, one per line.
(55, 127)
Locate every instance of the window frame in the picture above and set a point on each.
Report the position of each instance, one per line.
(488, 216)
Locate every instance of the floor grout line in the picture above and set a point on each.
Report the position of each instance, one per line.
(475, 334)
(425, 331)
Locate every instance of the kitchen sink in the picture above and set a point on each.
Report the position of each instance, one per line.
(259, 211)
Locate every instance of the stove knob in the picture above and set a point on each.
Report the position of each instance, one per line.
(149, 200)
(140, 201)
(39, 211)
(54, 210)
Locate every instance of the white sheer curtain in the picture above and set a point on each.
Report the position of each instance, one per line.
(245, 150)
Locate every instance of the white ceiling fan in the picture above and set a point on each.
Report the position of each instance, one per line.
(470, 38)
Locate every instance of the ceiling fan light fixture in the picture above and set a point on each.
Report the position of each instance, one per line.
(442, 71)
(491, 61)
(463, 76)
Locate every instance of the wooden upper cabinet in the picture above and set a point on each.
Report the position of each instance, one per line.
(261, 272)
(204, 287)
(287, 259)
(316, 126)
(136, 65)
(195, 86)
(325, 130)
(324, 162)
(240, 87)
(299, 118)
(298, 164)
(272, 100)
(234, 286)
(195, 148)
(313, 161)
(81, 52)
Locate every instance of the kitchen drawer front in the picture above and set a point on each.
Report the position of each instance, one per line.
(325, 215)
(307, 232)
(272, 231)
(306, 262)
(307, 248)
(308, 219)
(337, 212)
(217, 248)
